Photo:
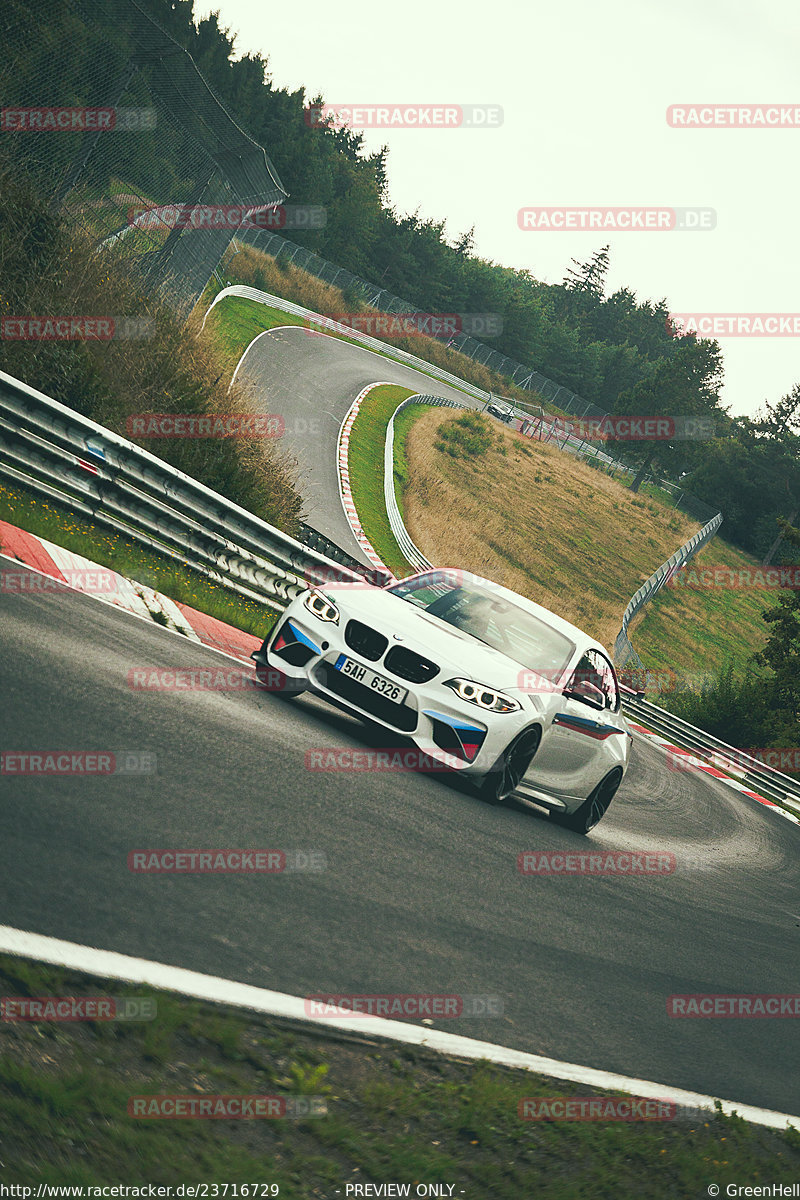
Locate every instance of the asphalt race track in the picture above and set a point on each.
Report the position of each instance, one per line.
(422, 892)
(311, 380)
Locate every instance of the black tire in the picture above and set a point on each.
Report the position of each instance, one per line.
(500, 783)
(594, 807)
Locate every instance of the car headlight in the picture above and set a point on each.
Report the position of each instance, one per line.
(322, 608)
(485, 697)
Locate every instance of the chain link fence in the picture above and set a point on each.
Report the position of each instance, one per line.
(377, 297)
(556, 395)
(111, 119)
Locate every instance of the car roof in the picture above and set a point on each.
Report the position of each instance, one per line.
(583, 640)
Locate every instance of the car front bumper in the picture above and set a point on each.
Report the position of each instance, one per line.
(452, 732)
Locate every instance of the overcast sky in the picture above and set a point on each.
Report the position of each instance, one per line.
(584, 88)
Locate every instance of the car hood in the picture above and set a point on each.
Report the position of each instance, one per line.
(455, 651)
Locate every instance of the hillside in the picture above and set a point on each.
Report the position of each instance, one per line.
(571, 538)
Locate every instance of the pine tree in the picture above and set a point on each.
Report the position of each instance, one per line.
(589, 276)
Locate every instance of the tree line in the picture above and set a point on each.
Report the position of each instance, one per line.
(617, 351)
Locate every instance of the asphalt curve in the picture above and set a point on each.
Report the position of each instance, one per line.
(422, 892)
(311, 380)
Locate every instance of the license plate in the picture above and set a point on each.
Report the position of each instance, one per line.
(371, 679)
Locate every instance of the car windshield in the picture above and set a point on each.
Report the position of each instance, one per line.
(491, 618)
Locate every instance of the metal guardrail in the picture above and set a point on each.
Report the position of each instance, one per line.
(774, 784)
(65, 456)
(401, 534)
(698, 510)
(756, 774)
(623, 649)
(525, 378)
(320, 323)
(323, 545)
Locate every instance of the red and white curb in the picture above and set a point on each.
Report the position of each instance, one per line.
(74, 572)
(107, 964)
(690, 762)
(70, 570)
(345, 491)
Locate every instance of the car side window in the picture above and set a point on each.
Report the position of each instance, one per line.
(594, 682)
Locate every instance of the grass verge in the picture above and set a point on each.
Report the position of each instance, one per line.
(255, 268)
(23, 508)
(533, 518)
(575, 540)
(236, 321)
(405, 420)
(395, 1114)
(705, 629)
(365, 464)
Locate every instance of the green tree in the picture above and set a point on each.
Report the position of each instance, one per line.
(782, 651)
(684, 385)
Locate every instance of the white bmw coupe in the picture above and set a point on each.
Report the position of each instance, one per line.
(482, 680)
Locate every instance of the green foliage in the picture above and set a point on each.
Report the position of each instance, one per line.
(754, 475)
(618, 351)
(782, 651)
(48, 268)
(760, 708)
(732, 708)
(593, 344)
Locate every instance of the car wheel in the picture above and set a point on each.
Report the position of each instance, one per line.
(505, 776)
(594, 806)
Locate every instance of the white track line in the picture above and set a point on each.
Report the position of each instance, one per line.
(110, 965)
